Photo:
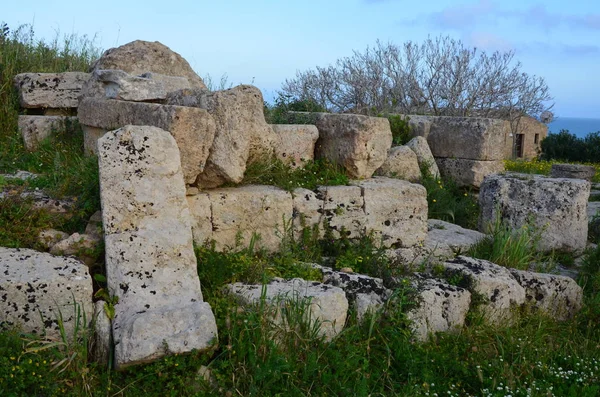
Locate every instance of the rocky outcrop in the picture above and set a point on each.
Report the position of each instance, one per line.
(401, 163)
(425, 158)
(139, 57)
(466, 172)
(319, 303)
(575, 171)
(150, 262)
(358, 143)
(555, 207)
(295, 143)
(38, 289)
(192, 128)
(49, 90)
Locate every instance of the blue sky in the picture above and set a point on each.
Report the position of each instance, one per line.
(265, 42)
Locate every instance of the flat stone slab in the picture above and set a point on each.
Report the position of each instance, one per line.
(326, 304)
(575, 171)
(37, 287)
(50, 90)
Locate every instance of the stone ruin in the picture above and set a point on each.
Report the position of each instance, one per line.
(166, 146)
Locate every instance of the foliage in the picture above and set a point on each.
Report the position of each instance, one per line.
(589, 273)
(542, 167)
(401, 132)
(441, 76)
(565, 146)
(314, 173)
(279, 113)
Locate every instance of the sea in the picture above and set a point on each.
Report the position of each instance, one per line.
(576, 125)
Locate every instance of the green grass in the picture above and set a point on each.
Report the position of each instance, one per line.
(543, 167)
(449, 202)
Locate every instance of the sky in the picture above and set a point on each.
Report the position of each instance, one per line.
(265, 42)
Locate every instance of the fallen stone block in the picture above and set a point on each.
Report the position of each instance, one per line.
(249, 210)
(49, 90)
(192, 128)
(49, 237)
(102, 338)
(82, 246)
(554, 207)
(575, 171)
(295, 143)
(401, 163)
(38, 289)
(425, 158)
(358, 143)
(35, 129)
(468, 172)
(150, 261)
(343, 210)
(326, 304)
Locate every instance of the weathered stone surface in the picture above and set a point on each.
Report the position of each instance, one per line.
(467, 138)
(307, 211)
(102, 338)
(441, 308)
(117, 84)
(35, 287)
(201, 217)
(49, 90)
(192, 128)
(242, 134)
(94, 225)
(35, 129)
(575, 171)
(139, 57)
(78, 245)
(557, 296)
(401, 163)
(50, 237)
(425, 158)
(41, 200)
(150, 261)
(502, 292)
(247, 210)
(555, 207)
(366, 294)
(394, 210)
(326, 304)
(445, 239)
(419, 125)
(295, 143)
(358, 143)
(343, 210)
(468, 172)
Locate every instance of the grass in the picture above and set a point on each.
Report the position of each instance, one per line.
(542, 167)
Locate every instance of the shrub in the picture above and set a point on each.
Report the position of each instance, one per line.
(565, 146)
(401, 132)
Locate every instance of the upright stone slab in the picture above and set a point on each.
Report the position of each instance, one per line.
(49, 90)
(358, 143)
(425, 158)
(192, 128)
(557, 208)
(395, 210)
(37, 288)
(150, 262)
(466, 172)
(35, 129)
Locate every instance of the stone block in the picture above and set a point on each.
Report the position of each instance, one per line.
(401, 163)
(35, 129)
(468, 172)
(575, 171)
(201, 217)
(37, 288)
(307, 211)
(343, 210)
(295, 143)
(554, 207)
(425, 158)
(49, 90)
(192, 128)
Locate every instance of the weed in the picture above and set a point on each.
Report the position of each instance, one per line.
(448, 202)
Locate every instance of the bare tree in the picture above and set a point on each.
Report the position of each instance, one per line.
(440, 77)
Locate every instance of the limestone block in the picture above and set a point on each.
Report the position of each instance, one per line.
(502, 292)
(150, 261)
(49, 237)
(78, 245)
(102, 338)
(555, 207)
(366, 294)
(201, 217)
(445, 239)
(192, 128)
(425, 158)
(117, 84)
(467, 138)
(557, 296)
(36, 288)
(139, 57)
(401, 163)
(295, 143)
(307, 211)
(35, 129)
(468, 172)
(343, 210)
(395, 210)
(49, 90)
(326, 304)
(420, 125)
(576, 171)
(94, 225)
(247, 210)
(441, 308)
(358, 143)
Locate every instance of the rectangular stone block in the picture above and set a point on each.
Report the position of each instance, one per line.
(192, 128)
(295, 143)
(35, 129)
(50, 90)
(467, 138)
(308, 211)
(243, 211)
(467, 172)
(343, 210)
(395, 210)
(150, 261)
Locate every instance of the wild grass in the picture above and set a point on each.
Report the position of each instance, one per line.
(543, 167)
(449, 202)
